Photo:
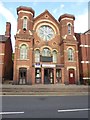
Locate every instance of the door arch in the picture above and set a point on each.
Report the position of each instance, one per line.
(71, 76)
(22, 75)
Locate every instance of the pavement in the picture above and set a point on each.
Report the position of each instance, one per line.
(43, 89)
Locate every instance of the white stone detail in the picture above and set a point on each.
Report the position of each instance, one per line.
(64, 37)
(24, 44)
(71, 48)
(74, 37)
(37, 66)
(81, 45)
(24, 17)
(25, 12)
(84, 45)
(66, 18)
(2, 54)
(46, 22)
(18, 31)
(82, 61)
(49, 65)
(85, 61)
(69, 23)
(86, 78)
(30, 32)
(71, 67)
(25, 66)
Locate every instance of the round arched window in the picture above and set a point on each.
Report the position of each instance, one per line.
(23, 52)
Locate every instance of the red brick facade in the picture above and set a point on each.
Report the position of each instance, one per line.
(84, 59)
(6, 63)
(46, 50)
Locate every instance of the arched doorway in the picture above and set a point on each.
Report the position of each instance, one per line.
(71, 76)
(22, 75)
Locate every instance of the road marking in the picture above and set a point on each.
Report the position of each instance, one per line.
(74, 110)
(6, 113)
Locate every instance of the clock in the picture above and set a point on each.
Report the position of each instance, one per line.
(46, 33)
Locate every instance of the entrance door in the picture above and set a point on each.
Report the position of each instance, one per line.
(22, 76)
(48, 76)
(38, 75)
(71, 76)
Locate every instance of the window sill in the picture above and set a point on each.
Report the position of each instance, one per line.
(71, 61)
(22, 59)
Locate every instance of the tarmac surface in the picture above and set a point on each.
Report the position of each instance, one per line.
(45, 107)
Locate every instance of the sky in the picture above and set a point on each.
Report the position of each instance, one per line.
(79, 9)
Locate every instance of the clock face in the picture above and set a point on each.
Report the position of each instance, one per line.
(46, 32)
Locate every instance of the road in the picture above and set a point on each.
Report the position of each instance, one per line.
(45, 106)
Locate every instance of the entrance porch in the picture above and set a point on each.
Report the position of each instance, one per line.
(49, 74)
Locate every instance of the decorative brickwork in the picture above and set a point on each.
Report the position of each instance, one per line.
(47, 51)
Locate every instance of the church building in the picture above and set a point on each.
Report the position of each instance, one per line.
(46, 49)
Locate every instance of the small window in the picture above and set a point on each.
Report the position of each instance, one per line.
(23, 52)
(25, 23)
(69, 29)
(46, 52)
(37, 56)
(70, 54)
(54, 56)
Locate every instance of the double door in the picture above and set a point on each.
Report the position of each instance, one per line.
(48, 76)
(22, 76)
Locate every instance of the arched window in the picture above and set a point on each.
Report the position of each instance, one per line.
(69, 28)
(37, 56)
(23, 52)
(54, 56)
(70, 54)
(25, 23)
(46, 52)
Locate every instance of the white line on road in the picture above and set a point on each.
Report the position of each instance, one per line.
(74, 110)
(6, 113)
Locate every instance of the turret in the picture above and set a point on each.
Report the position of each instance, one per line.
(66, 24)
(25, 19)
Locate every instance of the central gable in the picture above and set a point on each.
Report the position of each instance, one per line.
(45, 17)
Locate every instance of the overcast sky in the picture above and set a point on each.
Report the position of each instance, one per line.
(56, 8)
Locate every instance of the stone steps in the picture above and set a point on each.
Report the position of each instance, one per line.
(44, 90)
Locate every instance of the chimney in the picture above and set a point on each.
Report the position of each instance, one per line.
(8, 29)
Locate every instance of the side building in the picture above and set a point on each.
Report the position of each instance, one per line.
(6, 63)
(84, 56)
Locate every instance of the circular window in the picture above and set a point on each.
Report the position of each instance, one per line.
(46, 32)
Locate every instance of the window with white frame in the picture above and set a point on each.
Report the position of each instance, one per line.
(54, 56)
(23, 52)
(46, 52)
(70, 54)
(69, 28)
(37, 56)
(25, 23)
